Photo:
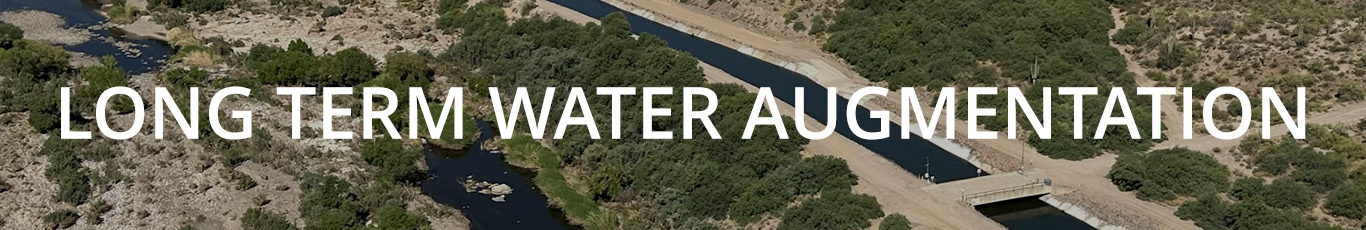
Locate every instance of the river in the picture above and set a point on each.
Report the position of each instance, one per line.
(83, 15)
(915, 154)
(525, 208)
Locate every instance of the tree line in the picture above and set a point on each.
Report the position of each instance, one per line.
(994, 43)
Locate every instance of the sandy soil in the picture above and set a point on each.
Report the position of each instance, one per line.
(824, 68)
(145, 27)
(376, 29)
(79, 60)
(44, 26)
(23, 171)
(769, 16)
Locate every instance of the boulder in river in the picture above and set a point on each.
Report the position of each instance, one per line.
(487, 188)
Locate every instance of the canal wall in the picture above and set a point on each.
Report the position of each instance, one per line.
(1080, 213)
(803, 68)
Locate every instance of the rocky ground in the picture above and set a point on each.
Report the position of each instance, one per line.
(175, 182)
(44, 26)
(773, 17)
(375, 27)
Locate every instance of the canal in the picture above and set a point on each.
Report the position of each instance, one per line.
(916, 155)
(911, 154)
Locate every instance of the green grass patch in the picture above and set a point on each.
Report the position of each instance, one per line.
(469, 132)
(549, 178)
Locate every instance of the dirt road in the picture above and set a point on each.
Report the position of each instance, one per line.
(1341, 115)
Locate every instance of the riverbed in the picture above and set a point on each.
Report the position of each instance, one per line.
(137, 55)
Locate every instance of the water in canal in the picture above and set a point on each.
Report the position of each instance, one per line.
(82, 14)
(1030, 213)
(525, 208)
(912, 154)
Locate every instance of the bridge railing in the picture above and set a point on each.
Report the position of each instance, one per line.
(1037, 187)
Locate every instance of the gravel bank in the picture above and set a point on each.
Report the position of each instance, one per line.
(44, 26)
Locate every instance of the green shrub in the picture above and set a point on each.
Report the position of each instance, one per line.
(9, 34)
(1281, 157)
(232, 157)
(242, 181)
(408, 67)
(197, 6)
(895, 221)
(205, 6)
(36, 61)
(395, 161)
(1321, 180)
(1164, 173)
(184, 78)
(97, 210)
(347, 67)
(759, 198)
(64, 168)
(101, 78)
(817, 26)
(854, 212)
(1174, 55)
(260, 219)
(61, 219)
(1208, 212)
(1252, 215)
(328, 203)
(171, 19)
(296, 4)
(274, 65)
(298, 45)
(394, 217)
(1248, 189)
(331, 11)
(42, 107)
(1350, 93)
(1132, 34)
(1348, 201)
(1288, 194)
(1234, 108)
